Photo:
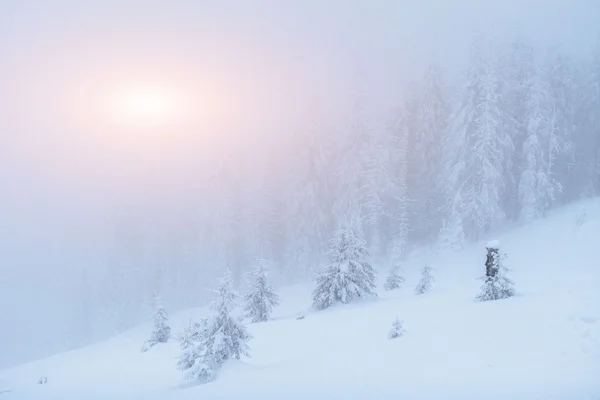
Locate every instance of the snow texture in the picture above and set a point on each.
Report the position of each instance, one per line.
(455, 348)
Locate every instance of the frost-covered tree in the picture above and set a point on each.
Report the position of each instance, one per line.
(452, 235)
(426, 280)
(516, 69)
(161, 333)
(397, 329)
(187, 342)
(394, 279)
(377, 187)
(349, 275)
(262, 299)
(401, 208)
(587, 141)
(308, 216)
(560, 74)
(537, 185)
(496, 284)
(219, 338)
(431, 113)
(478, 148)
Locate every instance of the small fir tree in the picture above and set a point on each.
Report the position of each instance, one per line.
(262, 298)
(216, 340)
(349, 276)
(427, 278)
(187, 342)
(161, 332)
(496, 284)
(397, 329)
(394, 279)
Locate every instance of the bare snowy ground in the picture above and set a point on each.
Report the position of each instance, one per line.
(543, 343)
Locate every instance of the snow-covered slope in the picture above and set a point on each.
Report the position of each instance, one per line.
(543, 343)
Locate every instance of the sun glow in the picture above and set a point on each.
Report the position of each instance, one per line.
(149, 106)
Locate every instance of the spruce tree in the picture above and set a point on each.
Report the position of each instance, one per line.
(262, 298)
(189, 352)
(477, 148)
(220, 338)
(496, 284)
(397, 329)
(424, 284)
(394, 279)
(349, 275)
(162, 331)
(537, 185)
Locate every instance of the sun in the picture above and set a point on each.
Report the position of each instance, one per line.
(149, 106)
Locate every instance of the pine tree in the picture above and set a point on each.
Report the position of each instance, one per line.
(262, 298)
(516, 67)
(424, 284)
(537, 185)
(217, 340)
(394, 279)
(162, 331)
(376, 159)
(349, 276)
(560, 77)
(496, 284)
(189, 352)
(477, 148)
(452, 235)
(399, 188)
(587, 145)
(397, 329)
(307, 207)
(431, 114)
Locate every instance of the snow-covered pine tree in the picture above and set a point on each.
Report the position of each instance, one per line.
(187, 342)
(477, 148)
(496, 284)
(349, 275)
(587, 143)
(431, 118)
(537, 184)
(376, 159)
(308, 191)
(262, 299)
(516, 72)
(220, 338)
(560, 73)
(427, 278)
(401, 209)
(161, 332)
(397, 329)
(452, 235)
(394, 279)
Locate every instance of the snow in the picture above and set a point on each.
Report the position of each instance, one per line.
(493, 244)
(543, 343)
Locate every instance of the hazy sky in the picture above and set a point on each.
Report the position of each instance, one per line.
(250, 70)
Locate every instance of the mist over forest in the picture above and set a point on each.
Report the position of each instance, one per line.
(431, 124)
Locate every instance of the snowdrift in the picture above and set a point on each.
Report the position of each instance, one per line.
(544, 343)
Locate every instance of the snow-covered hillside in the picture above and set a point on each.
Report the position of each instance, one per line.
(544, 343)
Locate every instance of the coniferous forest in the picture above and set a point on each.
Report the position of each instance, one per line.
(504, 141)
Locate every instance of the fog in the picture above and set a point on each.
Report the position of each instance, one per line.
(96, 214)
